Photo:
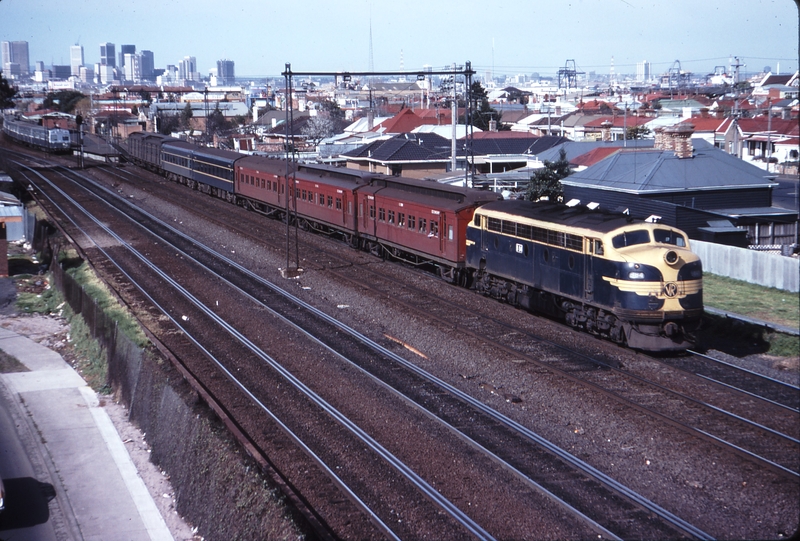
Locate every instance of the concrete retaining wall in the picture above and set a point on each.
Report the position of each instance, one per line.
(760, 268)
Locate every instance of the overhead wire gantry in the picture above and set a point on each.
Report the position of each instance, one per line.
(292, 268)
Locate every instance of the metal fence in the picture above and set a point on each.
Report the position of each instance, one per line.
(762, 268)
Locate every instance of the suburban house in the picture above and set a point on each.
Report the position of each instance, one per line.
(689, 184)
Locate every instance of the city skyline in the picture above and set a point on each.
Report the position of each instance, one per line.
(599, 36)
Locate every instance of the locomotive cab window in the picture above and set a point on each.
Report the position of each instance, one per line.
(667, 236)
(631, 238)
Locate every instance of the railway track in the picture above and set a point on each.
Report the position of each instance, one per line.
(458, 399)
(725, 406)
(327, 261)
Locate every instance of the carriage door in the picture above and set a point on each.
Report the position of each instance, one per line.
(444, 233)
(590, 246)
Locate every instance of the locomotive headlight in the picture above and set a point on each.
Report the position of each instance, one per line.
(671, 257)
(636, 275)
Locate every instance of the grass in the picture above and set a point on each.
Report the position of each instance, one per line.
(765, 303)
(35, 295)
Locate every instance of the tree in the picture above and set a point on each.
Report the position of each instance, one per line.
(332, 109)
(482, 112)
(637, 132)
(186, 116)
(167, 124)
(7, 93)
(63, 100)
(217, 121)
(546, 182)
(318, 128)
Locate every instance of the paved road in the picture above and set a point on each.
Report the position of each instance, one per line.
(28, 488)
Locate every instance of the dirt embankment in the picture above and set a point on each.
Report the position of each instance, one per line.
(205, 486)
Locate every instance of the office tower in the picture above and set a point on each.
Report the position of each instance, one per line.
(123, 50)
(15, 58)
(133, 67)
(76, 59)
(187, 69)
(108, 55)
(225, 72)
(643, 71)
(148, 65)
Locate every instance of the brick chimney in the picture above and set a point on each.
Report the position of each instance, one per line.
(662, 141)
(680, 140)
(605, 130)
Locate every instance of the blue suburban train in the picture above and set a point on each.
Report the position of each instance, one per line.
(35, 135)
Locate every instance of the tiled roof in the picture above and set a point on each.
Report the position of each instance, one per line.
(704, 124)
(618, 121)
(404, 122)
(594, 156)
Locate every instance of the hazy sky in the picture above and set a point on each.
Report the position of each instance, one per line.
(510, 37)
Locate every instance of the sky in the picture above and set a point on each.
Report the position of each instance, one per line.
(504, 38)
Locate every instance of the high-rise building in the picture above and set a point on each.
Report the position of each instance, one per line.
(123, 50)
(76, 59)
(15, 52)
(187, 69)
(148, 65)
(225, 72)
(643, 73)
(108, 55)
(133, 67)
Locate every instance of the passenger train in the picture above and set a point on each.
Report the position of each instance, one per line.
(634, 282)
(37, 136)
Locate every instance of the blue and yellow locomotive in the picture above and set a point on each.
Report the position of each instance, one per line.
(636, 282)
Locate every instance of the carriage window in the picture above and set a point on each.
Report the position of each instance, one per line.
(434, 229)
(631, 238)
(598, 247)
(330, 201)
(263, 183)
(372, 211)
(305, 195)
(423, 225)
(476, 220)
(382, 215)
(401, 219)
(450, 232)
(667, 236)
(338, 203)
(412, 222)
(391, 216)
